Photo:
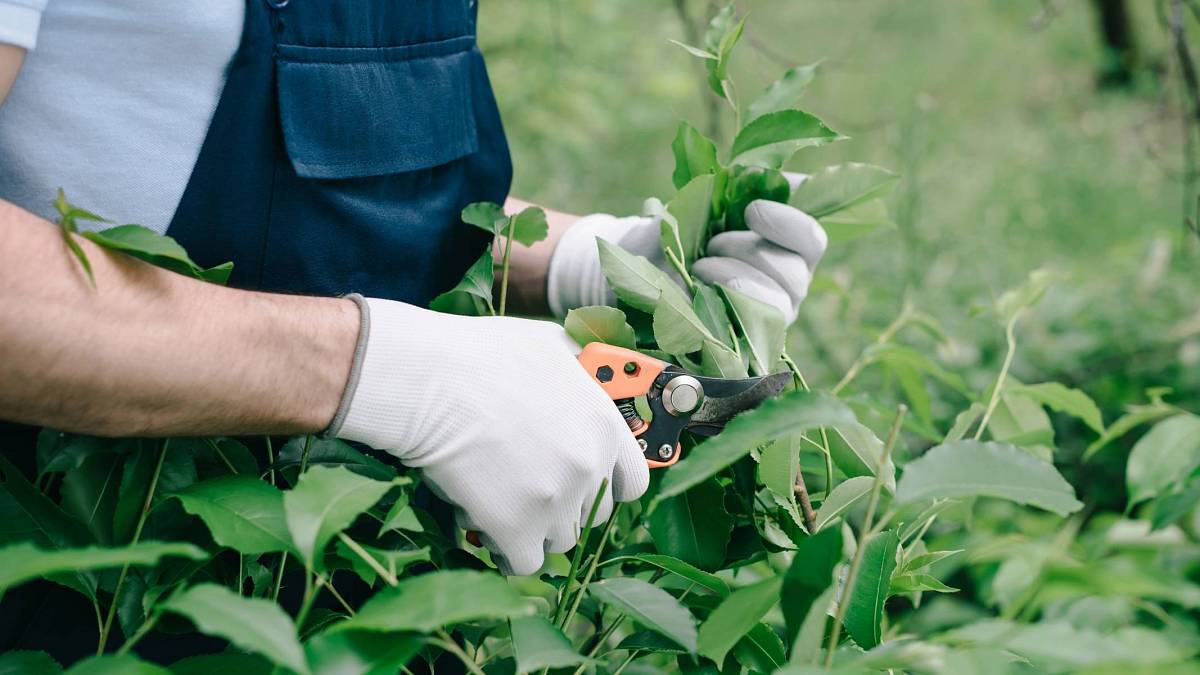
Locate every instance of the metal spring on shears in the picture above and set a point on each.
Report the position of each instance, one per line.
(629, 411)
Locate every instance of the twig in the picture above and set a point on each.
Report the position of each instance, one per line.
(505, 264)
(1010, 337)
(864, 534)
(806, 509)
(369, 559)
(137, 533)
(591, 568)
(579, 547)
(447, 642)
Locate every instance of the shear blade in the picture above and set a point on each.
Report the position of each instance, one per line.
(732, 397)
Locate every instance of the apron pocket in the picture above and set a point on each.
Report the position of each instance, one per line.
(352, 112)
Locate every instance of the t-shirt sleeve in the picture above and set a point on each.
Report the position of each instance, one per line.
(19, 21)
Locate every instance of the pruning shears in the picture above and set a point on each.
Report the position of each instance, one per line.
(677, 399)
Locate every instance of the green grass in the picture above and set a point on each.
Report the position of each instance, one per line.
(1012, 160)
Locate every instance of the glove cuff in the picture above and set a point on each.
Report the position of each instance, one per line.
(574, 277)
(360, 350)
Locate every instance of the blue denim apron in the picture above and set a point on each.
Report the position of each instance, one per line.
(349, 136)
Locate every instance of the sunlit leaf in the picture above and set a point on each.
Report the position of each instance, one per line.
(763, 327)
(539, 644)
(843, 497)
(975, 469)
(649, 606)
(487, 216)
(635, 280)
(771, 139)
(1164, 457)
(840, 187)
(324, 502)
(116, 664)
(430, 601)
(241, 512)
(527, 227)
(254, 624)
(681, 569)
(360, 652)
(1066, 400)
(599, 323)
(695, 155)
(864, 616)
(782, 93)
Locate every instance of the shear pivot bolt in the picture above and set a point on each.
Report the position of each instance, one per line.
(642, 444)
(682, 395)
(665, 451)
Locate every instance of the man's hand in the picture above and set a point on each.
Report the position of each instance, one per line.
(502, 420)
(773, 261)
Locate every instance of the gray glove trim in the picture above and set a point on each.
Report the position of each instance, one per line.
(360, 350)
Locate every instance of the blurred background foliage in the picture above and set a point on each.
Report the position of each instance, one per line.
(1023, 141)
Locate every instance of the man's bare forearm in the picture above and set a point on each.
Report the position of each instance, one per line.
(151, 352)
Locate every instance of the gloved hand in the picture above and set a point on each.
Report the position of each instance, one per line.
(501, 419)
(772, 262)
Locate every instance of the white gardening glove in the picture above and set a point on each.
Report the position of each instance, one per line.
(772, 262)
(501, 419)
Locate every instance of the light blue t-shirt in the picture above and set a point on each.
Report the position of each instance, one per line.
(113, 101)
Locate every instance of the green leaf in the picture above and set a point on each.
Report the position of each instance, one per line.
(1066, 400)
(324, 502)
(914, 583)
(763, 327)
(254, 624)
(857, 222)
(684, 226)
(242, 513)
(156, 249)
(599, 323)
(1057, 646)
(476, 286)
(790, 413)
(807, 645)
(856, 450)
(539, 644)
(778, 464)
(709, 306)
(89, 493)
(722, 34)
(1024, 296)
(1164, 457)
(393, 560)
(695, 51)
(760, 649)
(28, 663)
(1170, 508)
(430, 601)
(113, 664)
(842, 499)
(839, 187)
(975, 469)
(224, 662)
(735, 616)
(635, 280)
(745, 184)
(60, 451)
(527, 227)
(693, 526)
(679, 568)
(487, 216)
(695, 155)
(360, 653)
(717, 360)
(677, 329)
(1135, 417)
(401, 516)
(329, 452)
(649, 641)
(809, 576)
(650, 606)
(23, 561)
(773, 138)
(782, 93)
(178, 472)
(964, 421)
(865, 613)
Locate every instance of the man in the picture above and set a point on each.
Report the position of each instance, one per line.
(326, 148)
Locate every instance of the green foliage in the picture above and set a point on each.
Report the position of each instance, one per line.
(721, 567)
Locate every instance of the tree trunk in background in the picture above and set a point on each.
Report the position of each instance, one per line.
(1120, 42)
